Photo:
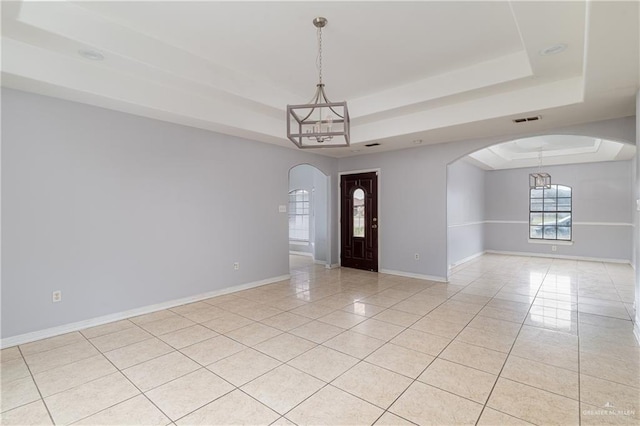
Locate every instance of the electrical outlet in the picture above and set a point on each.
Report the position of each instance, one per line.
(56, 296)
(236, 266)
(554, 248)
(416, 256)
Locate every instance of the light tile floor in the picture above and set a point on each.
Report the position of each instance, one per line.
(510, 340)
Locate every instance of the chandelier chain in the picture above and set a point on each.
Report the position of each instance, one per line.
(540, 159)
(320, 54)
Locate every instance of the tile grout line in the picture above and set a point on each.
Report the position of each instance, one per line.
(176, 378)
(579, 353)
(360, 360)
(385, 341)
(440, 352)
(511, 349)
(109, 333)
(33, 379)
(234, 387)
(57, 348)
(577, 335)
(222, 378)
(130, 381)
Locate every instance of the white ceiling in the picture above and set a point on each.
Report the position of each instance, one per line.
(550, 150)
(434, 71)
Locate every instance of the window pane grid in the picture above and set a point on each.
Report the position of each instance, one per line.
(550, 213)
(299, 215)
(358, 213)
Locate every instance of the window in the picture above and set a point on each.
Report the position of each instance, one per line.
(358, 213)
(299, 215)
(550, 213)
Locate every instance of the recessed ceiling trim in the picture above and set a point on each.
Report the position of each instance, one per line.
(553, 152)
(536, 98)
(442, 92)
(500, 70)
(44, 66)
(141, 54)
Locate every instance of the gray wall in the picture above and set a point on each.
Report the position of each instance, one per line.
(120, 212)
(465, 211)
(321, 215)
(411, 208)
(601, 204)
(316, 183)
(634, 212)
(636, 196)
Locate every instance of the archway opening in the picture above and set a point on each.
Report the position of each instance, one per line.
(582, 221)
(308, 212)
(489, 204)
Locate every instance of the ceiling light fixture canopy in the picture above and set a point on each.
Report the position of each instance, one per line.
(319, 123)
(540, 180)
(91, 54)
(553, 50)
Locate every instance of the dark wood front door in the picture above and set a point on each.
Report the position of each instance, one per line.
(359, 221)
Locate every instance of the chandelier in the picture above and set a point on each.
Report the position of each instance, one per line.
(319, 123)
(539, 180)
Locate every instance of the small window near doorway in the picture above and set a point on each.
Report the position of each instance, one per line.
(299, 215)
(358, 213)
(550, 213)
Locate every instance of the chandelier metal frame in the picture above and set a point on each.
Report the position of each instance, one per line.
(319, 123)
(540, 180)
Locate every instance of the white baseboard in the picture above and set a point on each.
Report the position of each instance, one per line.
(465, 260)
(332, 266)
(412, 275)
(319, 262)
(80, 325)
(559, 256)
(301, 253)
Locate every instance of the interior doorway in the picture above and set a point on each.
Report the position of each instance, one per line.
(308, 213)
(359, 221)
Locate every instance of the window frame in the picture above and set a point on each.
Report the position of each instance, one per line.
(362, 209)
(295, 213)
(556, 211)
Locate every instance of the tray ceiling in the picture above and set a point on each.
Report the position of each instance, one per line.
(430, 71)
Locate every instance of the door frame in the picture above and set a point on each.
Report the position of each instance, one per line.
(353, 172)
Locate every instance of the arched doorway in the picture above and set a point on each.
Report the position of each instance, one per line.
(308, 211)
(582, 221)
(490, 206)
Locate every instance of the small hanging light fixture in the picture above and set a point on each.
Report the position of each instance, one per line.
(539, 180)
(319, 123)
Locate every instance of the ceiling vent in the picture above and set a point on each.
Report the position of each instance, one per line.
(369, 145)
(526, 119)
